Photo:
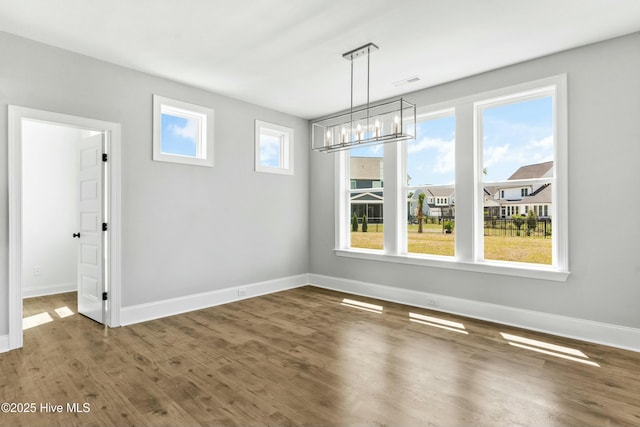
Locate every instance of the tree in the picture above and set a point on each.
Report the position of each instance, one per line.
(448, 226)
(420, 213)
(532, 221)
(518, 221)
(354, 222)
(364, 223)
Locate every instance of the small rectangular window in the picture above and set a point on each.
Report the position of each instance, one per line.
(182, 132)
(273, 148)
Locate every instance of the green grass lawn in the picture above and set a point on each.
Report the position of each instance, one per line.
(434, 242)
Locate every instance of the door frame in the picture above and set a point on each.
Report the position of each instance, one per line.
(114, 264)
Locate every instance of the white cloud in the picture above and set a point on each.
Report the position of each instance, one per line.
(188, 131)
(269, 151)
(430, 143)
(376, 149)
(496, 155)
(545, 144)
(429, 157)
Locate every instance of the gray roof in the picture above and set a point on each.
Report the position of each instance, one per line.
(366, 168)
(543, 195)
(440, 190)
(538, 170)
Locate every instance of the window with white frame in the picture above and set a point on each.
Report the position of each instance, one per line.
(366, 197)
(182, 132)
(473, 157)
(273, 148)
(430, 170)
(516, 133)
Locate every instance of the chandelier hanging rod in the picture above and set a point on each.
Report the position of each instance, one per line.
(355, 54)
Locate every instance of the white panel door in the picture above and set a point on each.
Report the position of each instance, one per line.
(90, 257)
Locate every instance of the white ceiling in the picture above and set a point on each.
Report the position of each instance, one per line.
(287, 54)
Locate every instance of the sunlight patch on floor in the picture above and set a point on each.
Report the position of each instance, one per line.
(36, 320)
(63, 312)
(562, 352)
(438, 323)
(373, 308)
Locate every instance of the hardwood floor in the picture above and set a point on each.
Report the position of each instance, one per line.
(305, 357)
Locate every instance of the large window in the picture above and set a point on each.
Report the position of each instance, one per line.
(182, 132)
(482, 188)
(366, 197)
(516, 134)
(430, 167)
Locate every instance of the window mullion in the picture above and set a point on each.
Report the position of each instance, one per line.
(465, 189)
(342, 240)
(391, 195)
(403, 208)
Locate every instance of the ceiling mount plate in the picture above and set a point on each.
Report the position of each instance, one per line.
(360, 51)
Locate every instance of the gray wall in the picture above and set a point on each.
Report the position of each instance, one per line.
(604, 208)
(185, 229)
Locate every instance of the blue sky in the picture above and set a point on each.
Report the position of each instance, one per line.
(270, 151)
(178, 135)
(430, 157)
(514, 135)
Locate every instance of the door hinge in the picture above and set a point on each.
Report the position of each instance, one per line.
(105, 157)
(105, 227)
(104, 296)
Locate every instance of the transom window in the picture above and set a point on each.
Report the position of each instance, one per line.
(273, 148)
(182, 132)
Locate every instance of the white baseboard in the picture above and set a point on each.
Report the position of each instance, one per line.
(4, 343)
(48, 290)
(169, 307)
(586, 330)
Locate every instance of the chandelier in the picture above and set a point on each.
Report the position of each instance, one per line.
(374, 124)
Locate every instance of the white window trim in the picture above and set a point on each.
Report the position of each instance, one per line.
(469, 193)
(286, 147)
(204, 145)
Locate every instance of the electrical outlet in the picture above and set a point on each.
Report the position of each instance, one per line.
(37, 270)
(242, 292)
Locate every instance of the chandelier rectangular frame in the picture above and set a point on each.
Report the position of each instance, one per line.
(376, 124)
(373, 124)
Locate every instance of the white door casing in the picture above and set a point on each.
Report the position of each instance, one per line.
(16, 115)
(90, 217)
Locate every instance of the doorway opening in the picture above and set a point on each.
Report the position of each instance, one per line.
(64, 217)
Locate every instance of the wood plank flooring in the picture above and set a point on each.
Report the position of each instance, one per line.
(302, 357)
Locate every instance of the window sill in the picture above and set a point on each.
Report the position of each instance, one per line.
(185, 160)
(278, 171)
(496, 267)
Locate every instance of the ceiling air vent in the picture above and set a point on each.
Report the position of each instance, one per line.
(407, 80)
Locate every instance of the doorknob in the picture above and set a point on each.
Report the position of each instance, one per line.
(76, 235)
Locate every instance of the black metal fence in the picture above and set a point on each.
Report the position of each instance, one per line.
(538, 228)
